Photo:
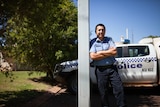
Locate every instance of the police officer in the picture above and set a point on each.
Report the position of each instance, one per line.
(102, 52)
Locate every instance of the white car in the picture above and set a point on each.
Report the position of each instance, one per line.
(137, 66)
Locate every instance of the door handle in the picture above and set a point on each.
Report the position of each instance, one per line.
(147, 60)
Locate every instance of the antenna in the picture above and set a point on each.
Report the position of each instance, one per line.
(126, 33)
(132, 37)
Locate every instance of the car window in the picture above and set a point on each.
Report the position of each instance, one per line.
(122, 52)
(132, 51)
(136, 51)
(119, 52)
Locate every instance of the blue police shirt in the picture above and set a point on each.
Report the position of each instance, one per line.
(97, 45)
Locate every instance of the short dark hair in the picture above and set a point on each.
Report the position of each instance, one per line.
(100, 24)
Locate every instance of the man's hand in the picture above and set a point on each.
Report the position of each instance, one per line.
(110, 52)
(113, 51)
(103, 54)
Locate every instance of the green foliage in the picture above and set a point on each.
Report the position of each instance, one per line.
(21, 80)
(151, 36)
(59, 54)
(41, 33)
(22, 87)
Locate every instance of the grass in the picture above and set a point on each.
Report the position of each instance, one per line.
(18, 87)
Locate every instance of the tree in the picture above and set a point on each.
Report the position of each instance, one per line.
(151, 36)
(41, 33)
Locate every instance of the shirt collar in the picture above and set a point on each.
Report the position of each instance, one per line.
(98, 40)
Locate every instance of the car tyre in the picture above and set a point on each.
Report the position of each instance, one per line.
(73, 84)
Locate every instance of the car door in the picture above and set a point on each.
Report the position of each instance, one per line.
(137, 63)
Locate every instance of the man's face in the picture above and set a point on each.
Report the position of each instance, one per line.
(100, 32)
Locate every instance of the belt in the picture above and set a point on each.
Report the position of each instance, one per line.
(106, 66)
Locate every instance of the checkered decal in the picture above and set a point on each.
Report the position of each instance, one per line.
(129, 60)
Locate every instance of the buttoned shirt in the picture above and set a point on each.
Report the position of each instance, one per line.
(98, 45)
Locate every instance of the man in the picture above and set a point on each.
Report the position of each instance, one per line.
(102, 52)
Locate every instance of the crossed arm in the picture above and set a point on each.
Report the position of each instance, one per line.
(103, 54)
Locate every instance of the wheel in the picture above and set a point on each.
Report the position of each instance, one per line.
(73, 84)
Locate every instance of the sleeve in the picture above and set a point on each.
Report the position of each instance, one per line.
(92, 49)
(112, 43)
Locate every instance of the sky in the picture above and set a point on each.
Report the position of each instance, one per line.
(140, 17)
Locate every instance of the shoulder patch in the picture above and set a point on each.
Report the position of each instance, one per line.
(92, 41)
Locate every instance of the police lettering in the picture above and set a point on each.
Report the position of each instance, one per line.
(125, 66)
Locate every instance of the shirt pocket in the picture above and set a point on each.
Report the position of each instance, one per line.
(99, 48)
(106, 46)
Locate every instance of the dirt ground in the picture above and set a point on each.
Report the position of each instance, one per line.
(59, 97)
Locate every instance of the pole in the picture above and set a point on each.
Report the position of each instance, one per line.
(83, 54)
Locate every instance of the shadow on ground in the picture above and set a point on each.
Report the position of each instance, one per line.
(17, 98)
(135, 97)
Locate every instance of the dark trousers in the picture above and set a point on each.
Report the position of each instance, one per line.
(106, 75)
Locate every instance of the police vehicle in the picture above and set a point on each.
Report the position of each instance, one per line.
(138, 65)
